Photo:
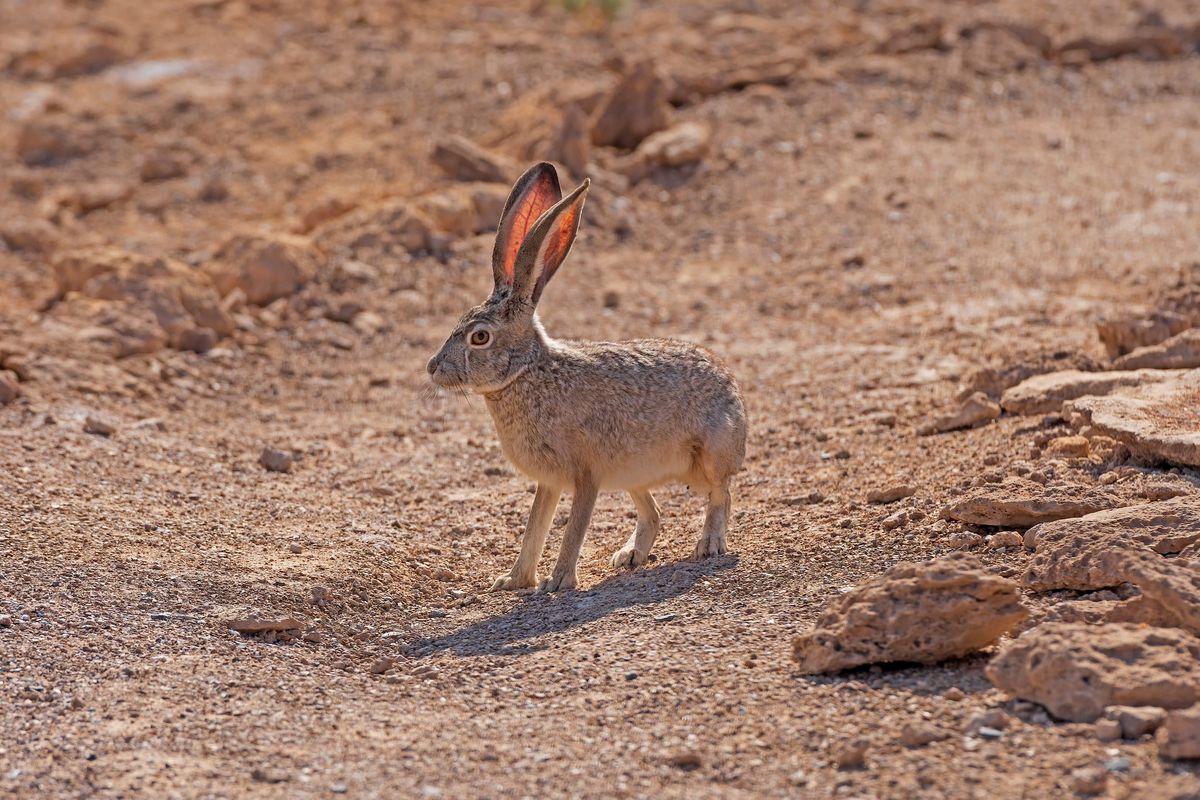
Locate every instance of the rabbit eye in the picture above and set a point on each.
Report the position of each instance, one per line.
(480, 337)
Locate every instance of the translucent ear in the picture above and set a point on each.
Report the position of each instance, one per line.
(532, 195)
(547, 245)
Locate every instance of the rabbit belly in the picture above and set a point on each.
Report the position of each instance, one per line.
(645, 472)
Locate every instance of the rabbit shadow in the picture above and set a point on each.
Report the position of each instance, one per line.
(541, 614)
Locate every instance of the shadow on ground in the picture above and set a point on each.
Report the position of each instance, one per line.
(541, 614)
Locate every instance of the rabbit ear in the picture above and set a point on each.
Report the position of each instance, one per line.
(533, 193)
(547, 245)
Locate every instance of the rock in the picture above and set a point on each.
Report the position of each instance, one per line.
(1156, 422)
(1121, 335)
(1068, 447)
(1107, 730)
(891, 493)
(992, 381)
(325, 210)
(550, 104)
(913, 612)
(388, 227)
(572, 143)
(975, 410)
(635, 108)
(265, 267)
(276, 460)
(29, 236)
(1020, 503)
(1004, 539)
(161, 165)
(120, 328)
(1179, 735)
(1043, 394)
(894, 521)
(919, 734)
(99, 427)
(777, 70)
(1156, 45)
(1181, 351)
(463, 160)
(999, 49)
(214, 189)
(86, 198)
(196, 340)
(1134, 722)
(923, 35)
(1089, 780)
(964, 540)
(852, 754)
(9, 387)
(43, 142)
(381, 665)
(87, 56)
(686, 760)
(252, 626)
(1077, 670)
(464, 209)
(183, 301)
(1166, 527)
(678, 146)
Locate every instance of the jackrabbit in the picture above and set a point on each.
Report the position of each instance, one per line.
(587, 416)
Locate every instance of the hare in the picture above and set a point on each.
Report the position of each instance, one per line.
(588, 416)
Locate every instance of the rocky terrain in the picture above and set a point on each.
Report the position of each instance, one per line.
(949, 250)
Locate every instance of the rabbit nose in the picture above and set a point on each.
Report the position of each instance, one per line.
(432, 366)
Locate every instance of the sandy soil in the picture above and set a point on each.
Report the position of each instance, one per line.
(856, 241)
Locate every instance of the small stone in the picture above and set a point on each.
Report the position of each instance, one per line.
(991, 734)
(894, 521)
(851, 755)
(443, 574)
(1108, 730)
(295, 547)
(1136, 721)
(611, 299)
(994, 718)
(276, 460)
(686, 760)
(1005, 539)
(9, 390)
(1179, 736)
(98, 427)
(381, 665)
(251, 626)
(964, 540)
(892, 493)
(1118, 764)
(1088, 780)
(977, 409)
(162, 166)
(1068, 447)
(631, 676)
(5, 621)
(919, 734)
(954, 694)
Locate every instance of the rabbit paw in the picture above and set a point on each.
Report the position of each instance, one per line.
(710, 545)
(557, 582)
(628, 556)
(507, 583)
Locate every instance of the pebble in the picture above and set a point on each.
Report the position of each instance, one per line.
(954, 694)
(1004, 539)
(5, 621)
(892, 493)
(98, 427)
(276, 460)
(381, 665)
(1118, 764)
(631, 676)
(964, 540)
(851, 754)
(1088, 780)
(295, 547)
(1108, 730)
(991, 734)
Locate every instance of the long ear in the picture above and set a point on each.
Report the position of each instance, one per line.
(547, 245)
(533, 193)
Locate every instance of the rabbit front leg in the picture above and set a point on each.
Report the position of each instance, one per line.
(563, 577)
(524, 573)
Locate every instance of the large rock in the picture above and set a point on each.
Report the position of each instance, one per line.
(1043, 394)
(183, 301)
(678, 146)
(464, 209)
(1166, 527)
(1020, 503)
(264, 267)
(913, 612)
(1179, 735)
(1157, 422)
(463, 160)
(634, 108)
(1076, 670)
(393, 226)
(1082, 563)
(1125, 334)
(1181, 351)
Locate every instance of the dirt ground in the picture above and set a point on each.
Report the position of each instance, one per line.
(857, 239)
